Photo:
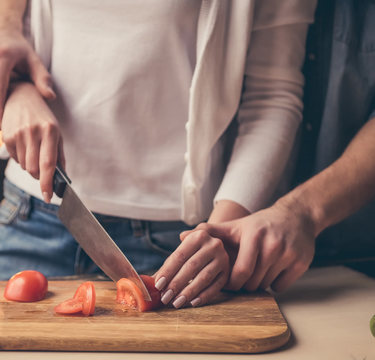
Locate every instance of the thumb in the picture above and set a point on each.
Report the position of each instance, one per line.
(223, 231)
(40, 77)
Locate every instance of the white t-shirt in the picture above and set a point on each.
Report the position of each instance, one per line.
(122, 72)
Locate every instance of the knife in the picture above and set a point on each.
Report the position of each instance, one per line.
(91, 236)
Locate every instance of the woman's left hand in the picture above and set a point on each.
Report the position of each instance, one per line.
(195, 272)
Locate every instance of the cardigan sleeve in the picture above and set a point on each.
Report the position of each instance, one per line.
(270, 109)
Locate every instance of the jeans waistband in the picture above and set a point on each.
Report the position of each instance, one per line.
(27, 202)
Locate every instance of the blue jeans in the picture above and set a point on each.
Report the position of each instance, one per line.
(32, 237)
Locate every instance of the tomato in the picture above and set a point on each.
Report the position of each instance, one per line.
(26, 286)
(155, 302)
(70, 306)
(129, 294)
(87, 296)
(83, 301)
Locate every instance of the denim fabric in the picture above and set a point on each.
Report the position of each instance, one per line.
(32, 237)
(339, 100)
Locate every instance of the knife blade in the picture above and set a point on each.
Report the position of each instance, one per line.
(91, 235)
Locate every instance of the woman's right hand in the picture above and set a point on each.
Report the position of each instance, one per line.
(32, 135)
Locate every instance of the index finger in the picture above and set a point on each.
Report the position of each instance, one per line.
(177, 259)
(47, 163)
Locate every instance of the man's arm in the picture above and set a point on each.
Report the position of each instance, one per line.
(342, 188)
(11, 12)
(16, 54)
(275, 246)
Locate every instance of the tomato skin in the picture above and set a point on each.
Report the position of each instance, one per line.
(129, 294)
(83, 301)
(26, 286)
(155, 294)
(86, 294)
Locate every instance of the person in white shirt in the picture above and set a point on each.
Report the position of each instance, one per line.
(166, 115)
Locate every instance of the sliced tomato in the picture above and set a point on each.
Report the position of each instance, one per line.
(129, 294)
(26, 286)
(87, 296)
(70, 306)
(155, 294)
(83, 301)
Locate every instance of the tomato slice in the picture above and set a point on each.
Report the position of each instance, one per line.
(87, 296)
(26, 286)
(70, 306)
(129, 294)
(155, 294)
(83, 301)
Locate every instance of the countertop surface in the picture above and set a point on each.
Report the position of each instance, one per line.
(328, 311)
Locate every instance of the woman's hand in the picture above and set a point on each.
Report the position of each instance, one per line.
(272, 247)
(32, 136)
(16, 54)
(195, 272)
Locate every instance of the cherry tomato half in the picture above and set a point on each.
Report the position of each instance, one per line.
(129, 294)
(26, 286)
(83, 301)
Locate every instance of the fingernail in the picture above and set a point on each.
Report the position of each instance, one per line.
(160, 284)
(181, 300)
(46, 197)
(195, 302)
(167, 297)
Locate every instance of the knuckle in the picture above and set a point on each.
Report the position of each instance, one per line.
(193, 264)
(203, 226)
(216, 244)
(8, 139)
(47, 163)
(50, 128)
(243, 272)
(33, 171)
(275, 246)
(208, 276)
(179, 257)
(201, 234)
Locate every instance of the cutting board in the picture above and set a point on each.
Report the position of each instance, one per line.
(247, 323)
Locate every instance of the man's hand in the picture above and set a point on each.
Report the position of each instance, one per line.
(272, 247)
(17, 55)
(32, 136)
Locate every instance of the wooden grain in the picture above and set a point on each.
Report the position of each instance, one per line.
(234, 324)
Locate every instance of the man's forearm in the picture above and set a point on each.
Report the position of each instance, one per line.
(342, 188)
(11, 13)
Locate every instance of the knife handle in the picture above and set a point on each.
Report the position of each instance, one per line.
(60, 179)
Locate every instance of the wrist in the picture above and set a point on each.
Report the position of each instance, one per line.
(11, 22)
(299, 203)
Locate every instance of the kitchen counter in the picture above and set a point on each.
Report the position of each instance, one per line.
(328, 311)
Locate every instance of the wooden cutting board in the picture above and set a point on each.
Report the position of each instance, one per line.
(248, 323)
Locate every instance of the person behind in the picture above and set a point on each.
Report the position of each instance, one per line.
(331, 210)
(143, 122)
